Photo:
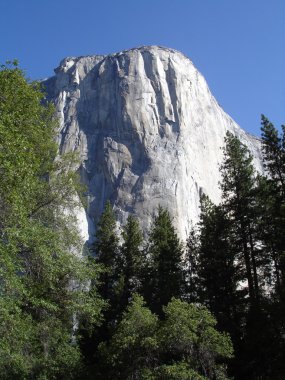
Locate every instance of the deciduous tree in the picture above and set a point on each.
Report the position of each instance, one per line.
(42, 282)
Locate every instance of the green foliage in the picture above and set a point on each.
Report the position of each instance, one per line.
(106, 249)
(238, 183)
(219, 273)
(134, 343)
(132, 259)
(188, 333)
(234, 265)
(272, 198)
(239, 257)
(16, 342)
(164, 278)
(191, 288)
(43, 284)
(105, 252)
(184, 344)
(274, 152)
(177, 371)
(271, 207)
(106, 237)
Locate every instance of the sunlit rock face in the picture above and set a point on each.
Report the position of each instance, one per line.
(148, 131)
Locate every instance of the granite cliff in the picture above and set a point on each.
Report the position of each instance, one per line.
(148, 132)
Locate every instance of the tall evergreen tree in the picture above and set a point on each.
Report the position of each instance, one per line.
(107, 253)
(274, 153)
(271, 201)
(239, 204)
(218, 271)
(190, 281)
(270, 233)
(132, 260)
(165, 262)
(272, 198)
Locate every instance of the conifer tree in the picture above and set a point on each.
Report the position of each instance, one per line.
(218, 273)
(132, 260)
(190, 281)
(271, 207)
(165, 262)
(274, 153)
(239, 204)
(272, 198)
(242, 209)
(107, 253)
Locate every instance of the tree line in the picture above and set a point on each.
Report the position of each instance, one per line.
(238, 256)
(149, 330)
(233, 264)
(135, 307)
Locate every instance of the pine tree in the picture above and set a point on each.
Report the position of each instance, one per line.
(237, 186)
(241, 205)
(165, 262)
(190, 281)
(270, 233)
(274, 153)
(218, 273)
(272, 198)
(132, 260)
(271, 207)
(107, 253)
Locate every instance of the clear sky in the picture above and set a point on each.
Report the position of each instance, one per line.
(238, 45)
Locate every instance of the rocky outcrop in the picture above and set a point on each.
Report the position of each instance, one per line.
(147, 129)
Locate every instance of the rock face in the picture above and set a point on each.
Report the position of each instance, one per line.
(148, 132)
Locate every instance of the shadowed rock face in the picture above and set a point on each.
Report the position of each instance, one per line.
(148, 131)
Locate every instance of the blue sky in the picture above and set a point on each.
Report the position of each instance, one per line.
(238, 45)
